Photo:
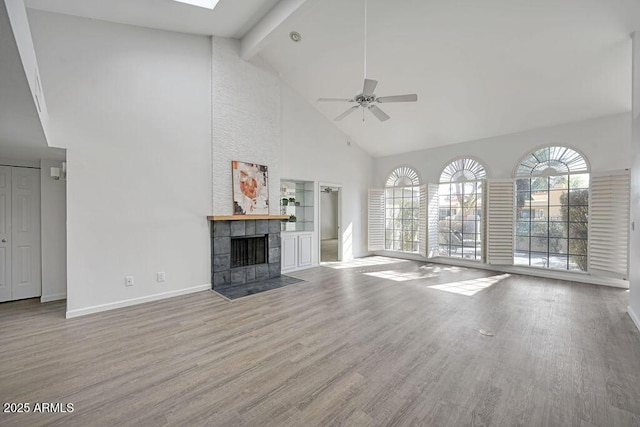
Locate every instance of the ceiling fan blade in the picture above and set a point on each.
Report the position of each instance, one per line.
(381, 115)
(346, 113)
(335, 99)
(398, 98)
(369, 87)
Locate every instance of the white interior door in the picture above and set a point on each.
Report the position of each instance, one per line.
(20, 266)
(5, 233)
(25, 233)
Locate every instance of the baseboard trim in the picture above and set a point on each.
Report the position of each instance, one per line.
(53, 297)
(135, 301)
(634, 317)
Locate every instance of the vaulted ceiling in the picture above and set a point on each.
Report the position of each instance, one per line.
(480, 68)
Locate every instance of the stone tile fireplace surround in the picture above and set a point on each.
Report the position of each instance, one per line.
(221, 234)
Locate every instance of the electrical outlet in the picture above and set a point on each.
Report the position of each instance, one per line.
(161, 276)
(128, 281)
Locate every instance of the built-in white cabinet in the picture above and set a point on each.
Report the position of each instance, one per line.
(305, 243)
(296, 251)
(297, 200)
(289, 251)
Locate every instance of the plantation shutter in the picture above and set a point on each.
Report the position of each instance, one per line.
(609, 225)
(429, 220)
(423, 228)
(376, 220)
(500, 221)
(433, 214)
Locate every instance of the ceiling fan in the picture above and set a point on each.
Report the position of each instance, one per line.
(367, 99)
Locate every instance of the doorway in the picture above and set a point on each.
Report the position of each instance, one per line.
(20, 266)
(330, 223)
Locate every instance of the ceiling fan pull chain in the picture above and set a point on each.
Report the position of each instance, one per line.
(365, 39)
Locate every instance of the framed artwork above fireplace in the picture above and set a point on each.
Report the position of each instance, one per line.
(250, 188)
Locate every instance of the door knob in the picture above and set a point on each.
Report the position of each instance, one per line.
(4, 240)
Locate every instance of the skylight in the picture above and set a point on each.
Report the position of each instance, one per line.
(208, 4)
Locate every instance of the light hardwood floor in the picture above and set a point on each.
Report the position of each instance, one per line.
(366, 343)
(329, 250)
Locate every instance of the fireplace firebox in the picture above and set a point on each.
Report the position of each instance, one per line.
(249, 250)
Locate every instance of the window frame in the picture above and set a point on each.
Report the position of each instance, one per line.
(562, 234)
(462, 171)
(407, 219)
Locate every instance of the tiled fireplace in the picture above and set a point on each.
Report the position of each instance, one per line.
(244, 251)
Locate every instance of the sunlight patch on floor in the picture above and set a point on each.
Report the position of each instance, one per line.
(400, 276)
(472, 286)
(435, 268)
(371, 261)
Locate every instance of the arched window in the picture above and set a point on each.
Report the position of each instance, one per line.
(460, 209)
(402, 204)
(552, 209)
(403, 177)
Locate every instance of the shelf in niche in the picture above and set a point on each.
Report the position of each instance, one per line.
(303, 193)
(245, 217)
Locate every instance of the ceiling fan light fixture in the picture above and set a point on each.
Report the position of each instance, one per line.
(295, 36)
(367, 99)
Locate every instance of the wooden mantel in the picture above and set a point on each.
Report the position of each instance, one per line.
(245, 217)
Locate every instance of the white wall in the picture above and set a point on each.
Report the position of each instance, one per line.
(313, 149)
(634, 297)
(132, 106)
(53, 202)
(246, 122)
(329, 215)
(605, 142)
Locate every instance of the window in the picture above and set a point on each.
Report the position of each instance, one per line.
(402, 210)
(460, 207)
(552, 182)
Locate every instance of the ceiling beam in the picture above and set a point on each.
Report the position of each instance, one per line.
(252, 42)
